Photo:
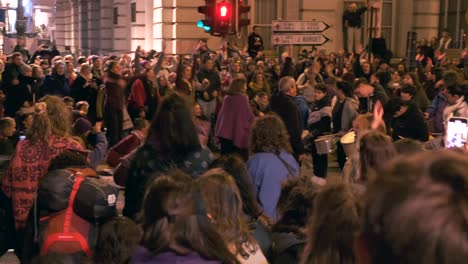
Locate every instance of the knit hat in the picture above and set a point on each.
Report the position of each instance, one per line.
(94, 58)
(81, 126)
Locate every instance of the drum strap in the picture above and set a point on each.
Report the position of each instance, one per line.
(291, 171)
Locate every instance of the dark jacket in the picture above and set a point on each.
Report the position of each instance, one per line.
(215, 82)
(287, 247)
(16, 96)
(410, 125)
(55, 85)
(6, 147)
(11, 72)
(354, 18)
(113, 109)
(320, 118)
(344, 113)
(115, 94)
(253, 49)
(82, 92)
(366, 105)
(148, 163)
(285, 107)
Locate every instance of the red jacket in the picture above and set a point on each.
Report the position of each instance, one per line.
(137, 97)
(28, 165)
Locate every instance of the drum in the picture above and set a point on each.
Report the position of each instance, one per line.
(326, 144)
(347, 141)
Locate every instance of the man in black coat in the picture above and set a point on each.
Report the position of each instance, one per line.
(211, 84)
(255, 43)
(283, 104)
(369, 95)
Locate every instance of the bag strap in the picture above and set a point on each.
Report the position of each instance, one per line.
(79, 178)
(291, 169)
(66, 235)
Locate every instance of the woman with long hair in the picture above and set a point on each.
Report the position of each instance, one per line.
(295, 206)
(48, 137)
(176, 227)
(258, 84)
(333, 227)
(203, 125)
(235, 120)
(224, 204)
(274, 77)
(362, 124)
(172, 142)
(235, 71)
(376, 150)
(164, 86)
(70, 73)
(186, 84)
(420, 98)
(259, 223)
(272, 161)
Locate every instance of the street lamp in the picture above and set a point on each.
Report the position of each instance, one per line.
(20, 24)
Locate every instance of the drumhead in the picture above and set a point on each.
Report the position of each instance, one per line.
(348, 138)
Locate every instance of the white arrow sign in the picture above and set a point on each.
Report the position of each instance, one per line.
(299, 39)
(298, 26)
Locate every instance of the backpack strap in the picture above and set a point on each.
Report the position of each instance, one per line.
(66, 235)
(69, 211)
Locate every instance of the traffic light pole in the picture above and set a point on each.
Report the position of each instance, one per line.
(224, 47)
(238, 35)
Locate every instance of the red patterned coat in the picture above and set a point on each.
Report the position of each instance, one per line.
(28, 165)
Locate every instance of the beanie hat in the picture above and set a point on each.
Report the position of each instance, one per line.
(94, 58)
(81, 126)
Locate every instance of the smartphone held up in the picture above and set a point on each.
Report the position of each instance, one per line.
(457, 132)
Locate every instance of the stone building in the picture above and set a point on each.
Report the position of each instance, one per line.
(116, 26)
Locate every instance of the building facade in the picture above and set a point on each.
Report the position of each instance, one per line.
(117, 26)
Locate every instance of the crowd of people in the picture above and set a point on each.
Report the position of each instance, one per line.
(208, 152)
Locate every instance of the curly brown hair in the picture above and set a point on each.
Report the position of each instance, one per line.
(54, 121)
(269, 134)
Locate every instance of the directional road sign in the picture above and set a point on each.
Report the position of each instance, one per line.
(298, 26)
(299, 39)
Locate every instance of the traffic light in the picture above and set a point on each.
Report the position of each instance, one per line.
(242, 14)
(223, 20)
(208, 10)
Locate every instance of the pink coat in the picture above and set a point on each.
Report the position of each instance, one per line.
(235, 120)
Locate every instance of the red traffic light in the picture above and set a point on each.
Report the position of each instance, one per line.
(224, 10)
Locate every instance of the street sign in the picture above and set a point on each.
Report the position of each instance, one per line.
(298, 26)
(299, 39)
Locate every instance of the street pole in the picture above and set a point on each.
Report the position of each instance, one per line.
(20, 24)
